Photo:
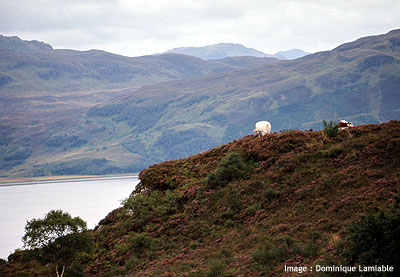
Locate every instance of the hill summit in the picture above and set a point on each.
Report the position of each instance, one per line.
(218, 51)
(254, 207)
(24, 46)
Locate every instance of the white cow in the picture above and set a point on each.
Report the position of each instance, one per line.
(262, 128)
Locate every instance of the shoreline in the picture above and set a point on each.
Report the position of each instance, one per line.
(61, 179)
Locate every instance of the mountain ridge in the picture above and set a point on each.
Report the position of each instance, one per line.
(219, 51)
(223, 50)
(16, 44)
(291, 54)
(358, 82)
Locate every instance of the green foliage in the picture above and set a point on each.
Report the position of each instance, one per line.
(145, 206)
(134, 146)
(12, 156)
(331, 129)
(66, 141)
(231, 167)
(269, 253)
(216, 268)
(177, 144)
(89, 166)
(278, 249)
(140, 242)
(233, 198)
(374, 239)
(332, 152)
(76, 270)
(65, 249)
(56, 224)
(57, 238)
(271, 193)
(252, 210)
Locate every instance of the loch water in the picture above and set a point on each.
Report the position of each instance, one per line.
(90, 199)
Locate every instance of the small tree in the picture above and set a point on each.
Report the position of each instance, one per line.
(59, 237)
(63, 251)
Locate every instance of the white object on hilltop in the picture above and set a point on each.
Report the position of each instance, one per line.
(262, 128)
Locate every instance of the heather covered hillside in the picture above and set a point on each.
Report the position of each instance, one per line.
(252, 206)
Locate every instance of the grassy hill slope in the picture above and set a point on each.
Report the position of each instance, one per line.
(28, 66)
(357, 81)
(44, 93)
(252, 206)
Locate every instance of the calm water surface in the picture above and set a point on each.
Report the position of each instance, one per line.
(90, 200)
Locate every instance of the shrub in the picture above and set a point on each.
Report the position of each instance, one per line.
(144, 206)
(140, 242)
(216, 267)
(229, 168)
(252, 210)
(331, 129)
(272, 251)
(374, 239)
(269, 254)
(271, 193)
(233, 198)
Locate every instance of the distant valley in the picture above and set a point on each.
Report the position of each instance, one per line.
(72, 112)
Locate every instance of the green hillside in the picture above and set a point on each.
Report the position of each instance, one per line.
(44, 93)
(27, 66)
(357, 81)
(252, 207)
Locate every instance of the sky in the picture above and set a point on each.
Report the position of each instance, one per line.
(144, 27)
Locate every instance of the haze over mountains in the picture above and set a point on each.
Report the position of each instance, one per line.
(223, 50)
(93, 112)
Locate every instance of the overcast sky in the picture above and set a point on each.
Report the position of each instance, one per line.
(141, 27)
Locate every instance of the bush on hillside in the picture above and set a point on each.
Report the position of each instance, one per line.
(374, 240)
(229, 168)
(331, 129)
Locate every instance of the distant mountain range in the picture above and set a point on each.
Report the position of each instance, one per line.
(44, 91)
(36, 66)
(223, 50)
(48, 126)
(290, 54)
